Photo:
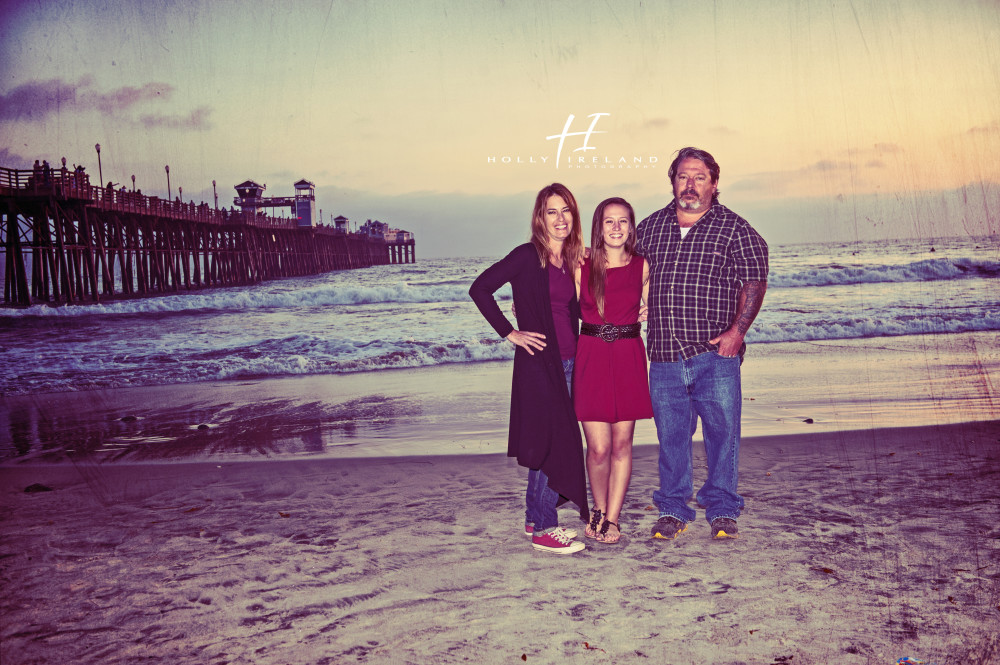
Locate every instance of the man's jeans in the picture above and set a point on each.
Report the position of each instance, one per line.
(706, 386)
(540, 500)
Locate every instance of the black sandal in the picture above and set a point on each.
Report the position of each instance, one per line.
(604, 532)
(595, 521)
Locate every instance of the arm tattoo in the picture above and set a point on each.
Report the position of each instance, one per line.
(750, 300)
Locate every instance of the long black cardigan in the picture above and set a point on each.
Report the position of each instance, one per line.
(544, 433)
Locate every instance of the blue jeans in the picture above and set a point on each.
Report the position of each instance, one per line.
(540, 500)
(706, 386)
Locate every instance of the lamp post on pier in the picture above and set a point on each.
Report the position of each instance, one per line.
(216, 194)
(180, 194)
(100, 171)
(167, 169)
(133, 183)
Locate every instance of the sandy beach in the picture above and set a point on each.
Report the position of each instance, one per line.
(246, 523)
(855, 548)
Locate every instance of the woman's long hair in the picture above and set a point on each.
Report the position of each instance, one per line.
(572, 250)
(598, 252)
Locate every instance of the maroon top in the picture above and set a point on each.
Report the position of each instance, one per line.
(561, 291)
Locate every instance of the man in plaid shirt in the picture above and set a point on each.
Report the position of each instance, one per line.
(708, 274)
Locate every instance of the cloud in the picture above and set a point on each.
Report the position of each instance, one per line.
(846, 216)
(37, 100)
(891, 148)
(12, 160)
(876, 152)
(443, 228)
(124, 98)
(776, 183)
(825, 166)
(197, 120)
(656, 123)
(723, 131)
(991, 128)
(755, 182)
(501, 223)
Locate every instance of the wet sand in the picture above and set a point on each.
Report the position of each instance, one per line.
(794, 388)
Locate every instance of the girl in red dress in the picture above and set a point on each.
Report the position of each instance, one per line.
(610, 385)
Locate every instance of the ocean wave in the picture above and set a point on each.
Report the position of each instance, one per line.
(292, 356)
(300, 355)
(927, 270)
(277, 296)
(239, 300)
(860, 327)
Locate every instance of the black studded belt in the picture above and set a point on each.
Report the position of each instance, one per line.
(609, 332)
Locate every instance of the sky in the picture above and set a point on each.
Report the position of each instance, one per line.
(831, 120)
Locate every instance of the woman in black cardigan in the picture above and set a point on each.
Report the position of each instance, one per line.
(544, 435)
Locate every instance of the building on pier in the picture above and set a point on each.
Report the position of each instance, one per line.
(303, 205)
(399, 244)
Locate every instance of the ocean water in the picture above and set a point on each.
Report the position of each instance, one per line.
(420, 314)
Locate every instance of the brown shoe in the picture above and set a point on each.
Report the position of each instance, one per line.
(724, 527)
(668, 527)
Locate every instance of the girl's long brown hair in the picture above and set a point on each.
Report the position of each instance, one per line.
(599, 254)
(572, 250)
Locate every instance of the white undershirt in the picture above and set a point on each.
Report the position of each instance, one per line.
(684, 231)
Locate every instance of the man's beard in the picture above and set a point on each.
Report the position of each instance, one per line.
(689, 205)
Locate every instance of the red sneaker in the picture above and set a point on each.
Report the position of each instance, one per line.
(557, 542)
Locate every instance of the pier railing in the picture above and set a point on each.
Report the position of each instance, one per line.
(75, 185)
(65, 240)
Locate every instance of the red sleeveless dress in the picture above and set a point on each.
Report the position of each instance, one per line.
(610, 382)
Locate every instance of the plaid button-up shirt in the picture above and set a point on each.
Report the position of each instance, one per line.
(695, 282)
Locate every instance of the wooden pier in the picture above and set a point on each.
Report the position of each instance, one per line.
(66, 241)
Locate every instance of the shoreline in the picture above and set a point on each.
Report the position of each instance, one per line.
(788, 388)
(809, 441)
